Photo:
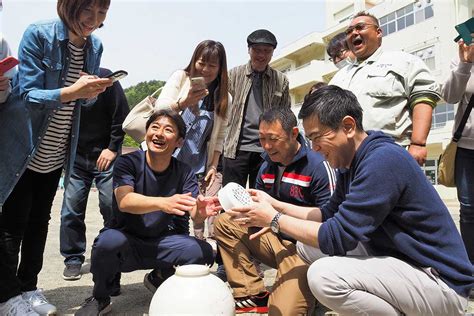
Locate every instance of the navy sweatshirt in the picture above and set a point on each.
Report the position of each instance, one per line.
(385, 201)
(308, 180)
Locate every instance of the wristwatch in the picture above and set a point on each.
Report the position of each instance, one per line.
(274, 226)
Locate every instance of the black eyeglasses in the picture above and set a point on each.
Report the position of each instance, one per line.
(358, 27)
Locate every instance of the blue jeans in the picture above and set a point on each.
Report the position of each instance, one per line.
(464, 175)
(73, 228)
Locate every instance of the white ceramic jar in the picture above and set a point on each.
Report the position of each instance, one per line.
(192, 290)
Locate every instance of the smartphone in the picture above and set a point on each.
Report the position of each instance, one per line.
(465, 29)
(117, 75)
(7, 64)
(198, 83)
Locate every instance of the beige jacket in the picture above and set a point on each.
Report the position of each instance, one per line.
(275, 95)
(176, 87)
(459, 87)
(387, 84)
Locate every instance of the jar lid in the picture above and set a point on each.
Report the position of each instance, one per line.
(192, 270)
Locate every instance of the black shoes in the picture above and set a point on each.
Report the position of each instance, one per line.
(94, 307)
(72, 271)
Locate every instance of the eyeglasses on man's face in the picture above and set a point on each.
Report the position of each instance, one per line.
(358, 27)
(339, 55)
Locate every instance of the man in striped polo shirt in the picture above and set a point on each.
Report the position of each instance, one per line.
(291, 173)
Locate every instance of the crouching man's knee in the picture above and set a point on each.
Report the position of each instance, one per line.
(324, 281)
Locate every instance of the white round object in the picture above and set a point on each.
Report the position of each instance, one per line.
(192, 290)
(233, 195)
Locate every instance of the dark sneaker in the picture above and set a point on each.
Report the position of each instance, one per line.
(94, 307)
(252, 304)
(72, 271)
(153, 280)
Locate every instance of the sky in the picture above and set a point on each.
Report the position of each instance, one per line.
(150, 39)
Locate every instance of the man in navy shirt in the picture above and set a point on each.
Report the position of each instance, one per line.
(416, 262)
(154, 196)
(292, 173)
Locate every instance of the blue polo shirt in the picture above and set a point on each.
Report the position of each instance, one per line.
(132, 170)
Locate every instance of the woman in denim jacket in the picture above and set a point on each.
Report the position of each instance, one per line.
(58, 63)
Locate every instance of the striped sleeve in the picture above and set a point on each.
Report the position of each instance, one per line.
(323, 183)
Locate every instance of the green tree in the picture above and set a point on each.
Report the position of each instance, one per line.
(141, 90)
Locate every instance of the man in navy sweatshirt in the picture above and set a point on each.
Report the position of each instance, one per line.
(416, 262)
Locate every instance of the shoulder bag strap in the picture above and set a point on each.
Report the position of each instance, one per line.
(457, 135)
(157, 90)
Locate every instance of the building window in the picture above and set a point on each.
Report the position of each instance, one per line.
(431, 170)
(442, 113)
(344, 14)
(405, 17)
(427, 55)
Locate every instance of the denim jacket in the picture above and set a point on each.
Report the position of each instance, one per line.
(24, 118)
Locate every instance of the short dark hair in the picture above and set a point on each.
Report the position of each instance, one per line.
(69, 11)
(173, 116)
(315, 87)
(331, 104)
(286, 117)
(367, 14)
(336, 44)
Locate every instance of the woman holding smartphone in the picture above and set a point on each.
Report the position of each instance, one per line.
(5, 87)
(199, 92)
(59, 60)
(459, 88)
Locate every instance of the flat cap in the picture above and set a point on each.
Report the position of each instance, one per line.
(262, 37)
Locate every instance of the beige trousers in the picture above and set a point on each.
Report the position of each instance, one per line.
(290, 294)
(361, 285)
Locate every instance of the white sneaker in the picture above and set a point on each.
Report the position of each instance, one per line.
(39, 303)
(17, 306)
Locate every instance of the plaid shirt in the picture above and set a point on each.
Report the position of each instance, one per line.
(275, 94)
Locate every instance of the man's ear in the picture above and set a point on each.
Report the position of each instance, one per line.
(379, 34)
(180, 142)
(295, 131)
(349, 125)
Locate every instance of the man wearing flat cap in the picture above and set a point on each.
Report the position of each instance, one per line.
(255, 88)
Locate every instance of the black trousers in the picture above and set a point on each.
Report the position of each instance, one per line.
(245, 166)
(24, 221)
